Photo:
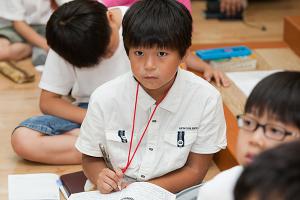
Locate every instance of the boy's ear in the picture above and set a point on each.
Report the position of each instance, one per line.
(109, 15)
(114, 17)
(187, 53)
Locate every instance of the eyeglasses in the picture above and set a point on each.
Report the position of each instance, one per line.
(270, 131)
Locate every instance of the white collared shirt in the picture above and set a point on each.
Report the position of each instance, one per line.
(191, 106)
(61, 77)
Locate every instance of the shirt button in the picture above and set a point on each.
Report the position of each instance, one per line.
(154, 120)
(150, 149)
(142, 176)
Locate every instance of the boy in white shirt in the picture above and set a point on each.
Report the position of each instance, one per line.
(158, 123)
(269, 120)
(86, 51)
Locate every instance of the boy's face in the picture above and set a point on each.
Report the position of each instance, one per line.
(251, 143)
(154, 68)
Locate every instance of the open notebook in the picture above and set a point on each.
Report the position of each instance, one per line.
(135, 191)
(45, 186)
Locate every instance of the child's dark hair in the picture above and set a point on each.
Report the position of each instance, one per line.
(273, 175)
(160, 23)
(278, 96)
(79, 32)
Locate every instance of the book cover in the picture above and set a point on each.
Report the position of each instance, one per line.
(72, 183)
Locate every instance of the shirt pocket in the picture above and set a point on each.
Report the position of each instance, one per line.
(177, 146)
(117, 147)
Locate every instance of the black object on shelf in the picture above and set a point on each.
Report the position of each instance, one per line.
(213, 12)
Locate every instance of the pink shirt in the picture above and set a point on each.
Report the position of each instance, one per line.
(111, 3)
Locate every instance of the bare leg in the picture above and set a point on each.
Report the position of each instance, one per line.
(13, 51)
(32, 145)
(4, 49)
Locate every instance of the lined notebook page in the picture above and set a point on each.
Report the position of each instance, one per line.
(40, 186)
(135, 191)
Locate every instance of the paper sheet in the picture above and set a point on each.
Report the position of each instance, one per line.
(247, 80)
(40, 186)
(135, 191)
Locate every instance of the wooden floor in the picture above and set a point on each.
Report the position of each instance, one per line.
(18, 102)
(269, 13)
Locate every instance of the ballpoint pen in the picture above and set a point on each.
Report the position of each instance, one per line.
(107, 160)
(106, 157)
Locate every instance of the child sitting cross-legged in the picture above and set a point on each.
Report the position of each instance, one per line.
(158, 123)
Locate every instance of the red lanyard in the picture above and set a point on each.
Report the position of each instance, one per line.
(132, 131)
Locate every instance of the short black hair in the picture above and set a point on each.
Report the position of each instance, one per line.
(278, 96)
(79, 32)
(273, 175)
(161, 23)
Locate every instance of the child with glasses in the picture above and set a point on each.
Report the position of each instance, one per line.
(272, 117)
(274, 174)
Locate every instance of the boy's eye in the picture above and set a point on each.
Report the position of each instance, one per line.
(275, 131)
(139, 53)
(161, 54)
(249, 123)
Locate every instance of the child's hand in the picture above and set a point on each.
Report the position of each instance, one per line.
(231, 7)
(109, 180)
(218, 76)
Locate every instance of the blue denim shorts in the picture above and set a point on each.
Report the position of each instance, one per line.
(51, 125)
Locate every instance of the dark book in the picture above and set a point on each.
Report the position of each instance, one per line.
(72, 183)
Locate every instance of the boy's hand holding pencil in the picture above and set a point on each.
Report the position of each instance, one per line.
(109, 179)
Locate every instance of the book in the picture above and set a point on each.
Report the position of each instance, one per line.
(243, 63)
(41, 186)
(45, 186)
(72, 183)
(247, 80)
(134, 191)
(73, 187)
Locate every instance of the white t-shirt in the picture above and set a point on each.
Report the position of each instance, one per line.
(60, 76)
(191, 106)
(31, 11)
(221, 186)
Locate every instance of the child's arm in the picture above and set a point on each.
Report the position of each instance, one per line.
(30, 35)
(53, 104)
(191, 174)
(97, 172)
(193, 62)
